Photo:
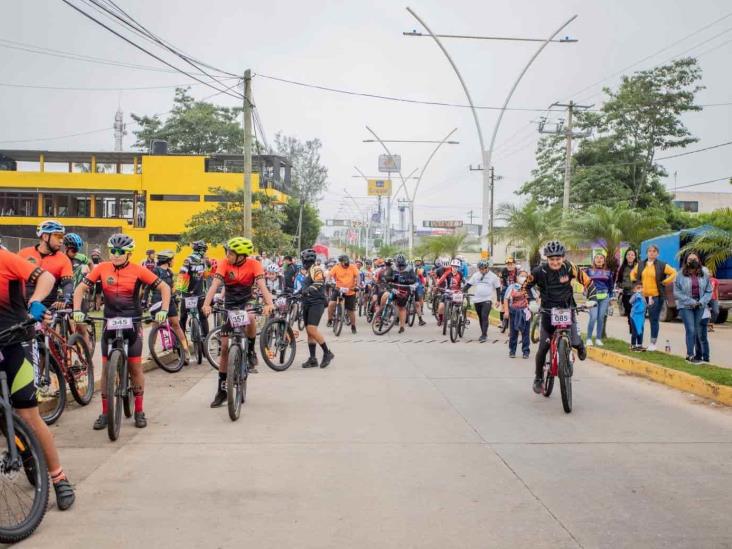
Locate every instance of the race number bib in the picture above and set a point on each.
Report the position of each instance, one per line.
(192, 302)
(561, 317)
(119, 323)
(457, 297)
(238, 318)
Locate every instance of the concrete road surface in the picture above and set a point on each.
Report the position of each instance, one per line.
(404, 441)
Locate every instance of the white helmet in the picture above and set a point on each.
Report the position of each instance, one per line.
(273, 268)
(460, 258)
(456, 263)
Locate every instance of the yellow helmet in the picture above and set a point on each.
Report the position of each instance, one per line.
(240, 246)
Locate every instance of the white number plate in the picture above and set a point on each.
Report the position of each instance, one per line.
(281, 302)
(343, 291)
(238, 318)
(457, 297)
(119, 323)
(561, 317)
(192, 302)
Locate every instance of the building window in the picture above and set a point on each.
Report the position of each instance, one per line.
(687, 205)
(176, 197)
(114, 206)
(158, 237)
(19, 203)
(215, 198)
(66, 205)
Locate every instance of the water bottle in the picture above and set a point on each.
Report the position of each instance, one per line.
(668, 346)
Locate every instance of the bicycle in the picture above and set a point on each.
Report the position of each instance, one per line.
(385, 320)
(212, 344)
(166, 349)
(65, 326)
(340, 316)
(560, 362)
(60, 363)
(25, 495)
(458, 318)
(118, 383)
(237, 370)
(277, 340)
(411, 309)
(194, 326)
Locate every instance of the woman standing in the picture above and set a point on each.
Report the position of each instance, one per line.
(654, 274)
(625, 284)
(692, 291)
(604, 283)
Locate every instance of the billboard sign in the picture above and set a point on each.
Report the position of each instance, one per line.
(379, 187)
(390, 163)
(443, 224)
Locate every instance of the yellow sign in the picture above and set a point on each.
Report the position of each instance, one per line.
(379, 187)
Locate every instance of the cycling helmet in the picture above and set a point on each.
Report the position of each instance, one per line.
(400, 260)
(368, 262)
(96, 252)
(455, 263)
(461, 258)
(510, 260)
(554, 248)
(343, 258)
(122, 241)
(379, 262)
(308, 256)
(165, 256)
(388, 261)
(482, 264)
(50, 226)
(240, 245)
(73, 240)
(149, 251)
(273, 268)
(438, 263)
(199, 246)
(195, 259)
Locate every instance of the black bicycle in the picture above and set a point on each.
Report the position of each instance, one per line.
(340, 317)
(194, 326)
(237, 369)
(119, 387)
(24, 495)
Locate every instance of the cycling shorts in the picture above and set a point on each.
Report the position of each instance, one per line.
(312, 313)
(350, 301)
(226, 328)
(21, 376)
(134, 343)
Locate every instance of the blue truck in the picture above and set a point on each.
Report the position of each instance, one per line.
(669, 246)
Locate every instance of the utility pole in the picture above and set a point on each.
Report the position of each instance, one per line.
(247, 153)
(569, 135)
(471, 215)
(490, 225)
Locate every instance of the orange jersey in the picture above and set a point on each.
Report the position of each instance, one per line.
(239, 280)
(121, 287)
(58, 264)
(345, 277)
(14, 273)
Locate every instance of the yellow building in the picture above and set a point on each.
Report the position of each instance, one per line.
(95, 194)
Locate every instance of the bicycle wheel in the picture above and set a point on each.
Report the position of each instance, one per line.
(411, 312)
(81, 370)
(300, 319)
(277, 345)
(196, 340)
(116, 373)
(338, 319)
(385, 320)
(212, 347)
(446, 317)
(454, 324)
(548, 381)
(235, 381)
(51, 393)
(535, 329)
(170, 360)
(24, 496)
(565, 373)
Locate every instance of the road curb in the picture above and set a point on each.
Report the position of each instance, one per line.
(660, 374)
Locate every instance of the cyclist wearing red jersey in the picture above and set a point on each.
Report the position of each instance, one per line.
(451, 279)
(122, 282)
(238, 273)
(14, 273)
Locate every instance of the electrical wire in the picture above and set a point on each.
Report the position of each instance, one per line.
(71, 88)
(728, 178)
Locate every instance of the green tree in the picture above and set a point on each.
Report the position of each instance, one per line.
(388, 250)
(194, 127)
(528, 226)
(612, 226)
(311, 222)
(714, 248)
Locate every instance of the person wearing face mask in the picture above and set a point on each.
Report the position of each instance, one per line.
(692, 291)
(604, 284)
(486, 283)
(516, 309)
(655, 275)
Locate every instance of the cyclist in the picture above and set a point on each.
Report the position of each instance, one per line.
(149, 261)
(384, 276)
(345, 276)
(313, 303)
(553, 279)
(508, 276)
(191, 282)
(421, 285)
(486, 283)
(300, 277)
(46, 255)
(451, 279)
(164, 272)
(96, 258)
(275, 284)
(289, 272)
(80, 265)
(404, 275)
(121, 284)
(14, 273)
(239, 273)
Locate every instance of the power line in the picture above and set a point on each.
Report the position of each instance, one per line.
(728, 178)
(72, 88)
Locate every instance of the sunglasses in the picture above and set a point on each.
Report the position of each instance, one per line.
(117, 251)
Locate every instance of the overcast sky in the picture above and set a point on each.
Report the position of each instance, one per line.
(359, 46)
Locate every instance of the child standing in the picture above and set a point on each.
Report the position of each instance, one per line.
(637, 317)
(516, 309)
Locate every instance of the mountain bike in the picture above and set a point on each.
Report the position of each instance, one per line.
(340, 316)
(458, 318)
(194, 326)
(560, 359)
(411, 309)
(277, 342)
(25, 496)
(118, 382)
(166, 349)
(237, 370)
(387, 316)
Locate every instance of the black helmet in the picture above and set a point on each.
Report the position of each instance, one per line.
(122, 241)
(343, 258)
(482, 264)
(199, 246)
(400, 260)
(308, 256)
(554, 248)
(388, 261)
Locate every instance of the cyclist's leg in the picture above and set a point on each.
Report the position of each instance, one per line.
(183, 317)
(546, 332)
(180, 334)
(350, 306)
(134, 363)
(202, 319)
(331, 309)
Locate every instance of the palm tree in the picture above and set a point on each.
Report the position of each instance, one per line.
(715, 246)
(447, 244)
(388, 250)
(529, 226)
(611, 226)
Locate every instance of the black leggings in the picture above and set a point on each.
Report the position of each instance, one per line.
(626, 309)
(483, 310)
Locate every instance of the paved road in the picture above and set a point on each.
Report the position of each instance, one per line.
(405, 441)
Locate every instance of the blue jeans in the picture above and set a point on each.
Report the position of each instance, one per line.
(692, 326)
(654, 314)
(519, 325)
(597, 315)
(702, 342)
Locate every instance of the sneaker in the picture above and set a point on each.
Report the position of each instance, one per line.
(330, 323)
(651, 347)
(101, 422)
(588, 343)
(482, 339)
(219, 399)
(353, 330)
(252, 359)
(65, 496)
(327, 359)
(599, 343)
(526, 355)
(511, 355)
(582, 352)
(312, 362)
(401, 329)
(692, 360)
(140, 420)
(422, 322)
(538, 385)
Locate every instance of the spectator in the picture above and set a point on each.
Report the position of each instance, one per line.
(516, 308)
(714, 303)
(485, 283)
(637, 317)
(654, 274)
(149, 261)
(692, 291)
(288, 272)
(508, 276)
(625, 285)
(701, 349)
(604, 283)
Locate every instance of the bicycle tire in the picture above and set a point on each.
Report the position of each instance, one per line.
(170, 367)
(411, 312)
(446, 317)
(338, 320)
(91, 330)
(284, 339)
(454, 324)
(548, 383)
(384, 321)
(565, 374)
(235, 381)
(36, 473)
(56, 386)
(300, 319)
(196, 338)
(114, 369)
(212, 347)
(85, 368)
